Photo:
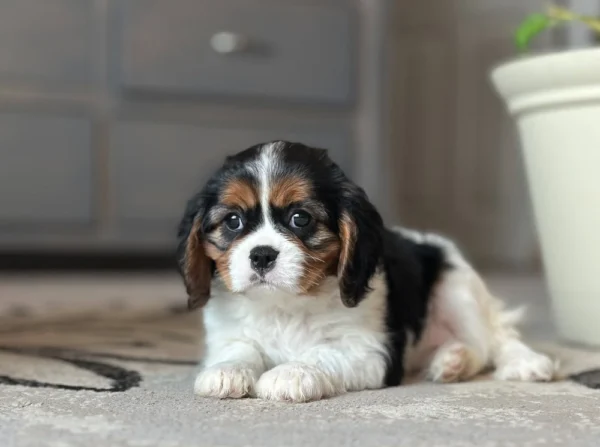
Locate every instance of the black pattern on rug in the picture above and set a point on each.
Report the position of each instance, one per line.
(113, 350)
(590, 378)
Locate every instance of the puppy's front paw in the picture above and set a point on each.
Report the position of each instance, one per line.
(295, 382)
(226, 380)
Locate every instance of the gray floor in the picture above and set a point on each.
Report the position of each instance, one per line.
(163, 412)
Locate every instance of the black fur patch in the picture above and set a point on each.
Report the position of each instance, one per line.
(411, 271)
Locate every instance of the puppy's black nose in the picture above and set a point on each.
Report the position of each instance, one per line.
(262, 258)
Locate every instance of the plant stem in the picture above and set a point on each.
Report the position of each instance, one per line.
(562, 14)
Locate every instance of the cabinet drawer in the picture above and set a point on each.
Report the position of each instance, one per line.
(49, 40)
(157, 167)
(45, 169)
(289, 50)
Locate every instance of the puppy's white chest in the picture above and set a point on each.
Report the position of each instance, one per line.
(282, 336)
(285, 337)
(286, 332)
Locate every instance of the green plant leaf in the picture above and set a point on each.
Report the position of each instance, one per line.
(529, 28)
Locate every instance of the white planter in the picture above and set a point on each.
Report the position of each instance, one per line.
(555, 99)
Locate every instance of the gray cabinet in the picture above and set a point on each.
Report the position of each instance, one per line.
(113, 112)
(259, 48)
(45, 170)
(46, 41)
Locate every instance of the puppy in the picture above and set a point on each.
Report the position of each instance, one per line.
(311, 296)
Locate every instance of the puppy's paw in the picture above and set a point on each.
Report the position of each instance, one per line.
(527, 367)
(295, 382)
(226, 380)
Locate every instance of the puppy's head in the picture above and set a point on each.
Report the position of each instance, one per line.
(279, 216)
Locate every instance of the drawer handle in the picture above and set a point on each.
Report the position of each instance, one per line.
(226, 42)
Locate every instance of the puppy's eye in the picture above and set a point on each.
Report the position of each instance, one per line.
(300, 219)
(234, 222)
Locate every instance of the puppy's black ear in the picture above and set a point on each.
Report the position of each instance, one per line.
(360, 232)
(195, 266)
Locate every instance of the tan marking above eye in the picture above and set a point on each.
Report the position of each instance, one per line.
(239, 193)
(288, 190)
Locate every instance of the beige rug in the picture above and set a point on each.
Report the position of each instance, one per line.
(110, 361)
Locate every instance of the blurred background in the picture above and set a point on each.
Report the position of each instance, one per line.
(113, 112)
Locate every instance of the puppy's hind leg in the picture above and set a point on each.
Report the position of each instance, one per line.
(481, 333)
(466, 349)
(485, 332)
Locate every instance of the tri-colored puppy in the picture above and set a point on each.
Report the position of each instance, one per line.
(305, 294)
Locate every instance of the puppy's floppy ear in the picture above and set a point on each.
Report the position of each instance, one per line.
(195, 266)
(360, 232)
